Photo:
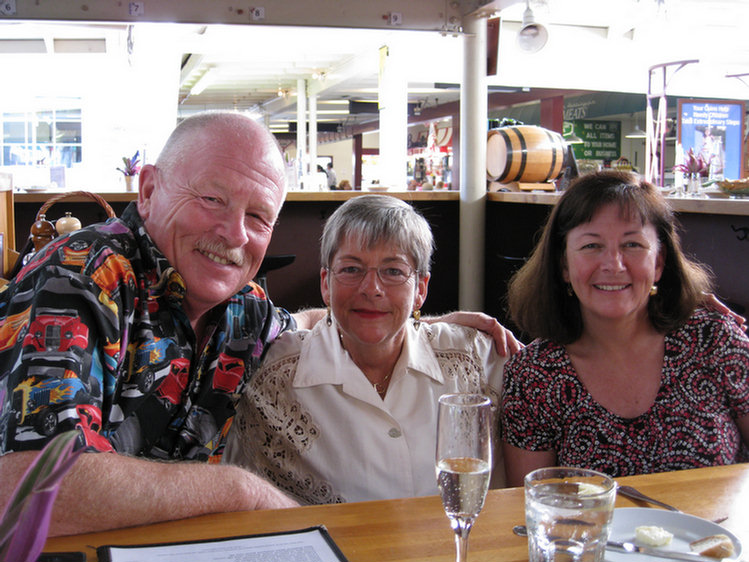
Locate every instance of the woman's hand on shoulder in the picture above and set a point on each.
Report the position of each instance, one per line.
(712, 303)
(504, 340)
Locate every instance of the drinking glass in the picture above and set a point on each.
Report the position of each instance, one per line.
(464, 460)
(568, 513)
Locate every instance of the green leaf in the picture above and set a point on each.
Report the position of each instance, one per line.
(25, 523)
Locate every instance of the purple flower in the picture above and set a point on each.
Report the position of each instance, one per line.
(131, 167)
(693, 164)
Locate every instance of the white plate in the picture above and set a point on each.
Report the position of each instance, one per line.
(377, 188)
(685, 528)
(35, 188)
(717, 194)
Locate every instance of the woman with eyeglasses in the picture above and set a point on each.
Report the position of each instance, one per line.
(347, 411)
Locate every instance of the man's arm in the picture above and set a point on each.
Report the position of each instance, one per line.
(106, 491)
(306, 319)
(504, 340)
(713, 303)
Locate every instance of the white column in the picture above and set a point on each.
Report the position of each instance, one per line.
(473, 119)
(312, 100)
(393, 101)
(301, 128)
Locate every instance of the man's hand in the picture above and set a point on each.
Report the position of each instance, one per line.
(712, 302)
(504, 339)
(307, 318)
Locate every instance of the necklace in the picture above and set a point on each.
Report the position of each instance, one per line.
(382, 386)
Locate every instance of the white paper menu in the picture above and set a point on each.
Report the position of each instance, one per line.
(305, 545)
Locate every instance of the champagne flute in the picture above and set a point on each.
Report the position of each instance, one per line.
(464, 460)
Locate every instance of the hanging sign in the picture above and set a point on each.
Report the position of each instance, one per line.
(714, 129)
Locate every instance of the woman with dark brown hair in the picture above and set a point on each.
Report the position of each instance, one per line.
(628, 372)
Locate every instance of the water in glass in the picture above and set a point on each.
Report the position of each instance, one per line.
(568, 513)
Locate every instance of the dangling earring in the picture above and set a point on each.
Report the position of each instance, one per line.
(570, 292)
(329, 318)
(416, 314)
(653, 290)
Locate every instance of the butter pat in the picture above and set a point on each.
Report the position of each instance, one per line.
(653, 536)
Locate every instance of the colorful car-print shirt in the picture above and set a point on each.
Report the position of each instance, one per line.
(93, 336)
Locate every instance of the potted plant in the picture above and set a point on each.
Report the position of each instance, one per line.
(130, 169)
(694, 167)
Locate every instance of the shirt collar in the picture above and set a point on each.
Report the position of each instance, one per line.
(322, 346)
(167, 282)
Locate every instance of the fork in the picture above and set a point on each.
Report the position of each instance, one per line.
(636, 494)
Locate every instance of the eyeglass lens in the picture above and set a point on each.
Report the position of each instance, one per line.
(391, 274)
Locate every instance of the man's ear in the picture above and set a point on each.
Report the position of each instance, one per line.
(146, 187)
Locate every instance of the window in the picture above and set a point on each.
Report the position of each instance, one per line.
(49, 137)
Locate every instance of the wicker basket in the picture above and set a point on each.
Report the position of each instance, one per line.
(97, 198)
(41, 217)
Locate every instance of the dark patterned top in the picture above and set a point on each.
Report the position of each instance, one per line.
(93, 336)
(692, 423)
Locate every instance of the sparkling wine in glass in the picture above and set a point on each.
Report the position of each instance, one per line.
(464, 460)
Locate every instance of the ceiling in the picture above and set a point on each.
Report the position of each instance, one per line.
(338, 65)
(593, 45)
(604, 45)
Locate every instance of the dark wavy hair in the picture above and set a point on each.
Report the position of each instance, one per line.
(537, 297)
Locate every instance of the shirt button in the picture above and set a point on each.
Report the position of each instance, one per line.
(394, 432)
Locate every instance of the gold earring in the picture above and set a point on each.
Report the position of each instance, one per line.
(417, 317)
(653, 290)
(570, 292)
(329, 318)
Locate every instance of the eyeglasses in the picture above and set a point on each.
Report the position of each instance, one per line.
(392, 274)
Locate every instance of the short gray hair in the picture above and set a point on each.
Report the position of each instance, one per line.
(370, 220)
(186, 136)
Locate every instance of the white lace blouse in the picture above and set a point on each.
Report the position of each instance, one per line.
(311, 422)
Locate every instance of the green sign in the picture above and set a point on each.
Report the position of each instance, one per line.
(602, 140)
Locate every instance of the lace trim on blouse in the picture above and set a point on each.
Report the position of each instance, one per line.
(277, 430)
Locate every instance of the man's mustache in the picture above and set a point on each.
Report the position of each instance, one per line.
(220, 249)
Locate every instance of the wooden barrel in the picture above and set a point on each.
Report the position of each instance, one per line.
(524, 153)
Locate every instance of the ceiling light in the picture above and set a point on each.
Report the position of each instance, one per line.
(532, 35)
(636, 133)
(203, 82)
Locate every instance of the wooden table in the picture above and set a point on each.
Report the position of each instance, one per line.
(414, 529)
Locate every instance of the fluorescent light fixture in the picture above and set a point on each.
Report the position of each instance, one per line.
(80, 46)
(202, 83)
(493, 88)
(22, 46)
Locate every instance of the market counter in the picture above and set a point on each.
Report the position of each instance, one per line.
(713, 206)
(715, 231)
(297, 232)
